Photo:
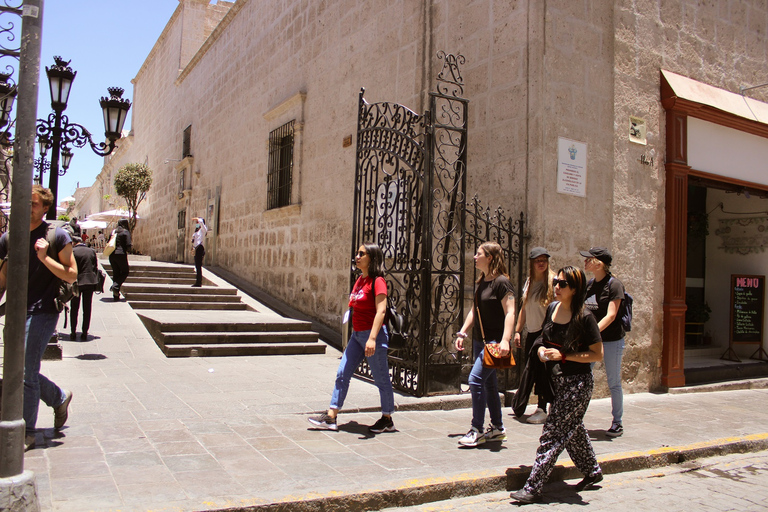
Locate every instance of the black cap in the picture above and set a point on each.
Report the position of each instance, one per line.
(601, 253)
(538, 251)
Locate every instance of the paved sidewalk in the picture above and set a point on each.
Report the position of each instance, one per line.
(150, 433)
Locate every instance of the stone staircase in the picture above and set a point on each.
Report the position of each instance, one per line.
(212, 320)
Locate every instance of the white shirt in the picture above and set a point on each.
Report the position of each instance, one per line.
(199, 235)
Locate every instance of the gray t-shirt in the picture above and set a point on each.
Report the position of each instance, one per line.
(534, 310)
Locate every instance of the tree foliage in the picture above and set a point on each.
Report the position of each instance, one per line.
(132, 182)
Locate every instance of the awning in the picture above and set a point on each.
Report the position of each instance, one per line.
(92, 224)
(676, 86)
(110, 215)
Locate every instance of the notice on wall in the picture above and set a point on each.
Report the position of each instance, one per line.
(571, 167)
(747, 308)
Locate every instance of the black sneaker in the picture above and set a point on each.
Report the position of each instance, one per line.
(589, 481)
(616, 430)
(385, 424)
(524, 496)
(324, 421)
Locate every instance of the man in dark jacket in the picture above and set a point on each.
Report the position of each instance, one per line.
(87, 279)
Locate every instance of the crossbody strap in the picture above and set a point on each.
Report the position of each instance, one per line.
(479, 319)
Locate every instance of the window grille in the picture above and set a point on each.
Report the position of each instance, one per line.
(182, 219)
(280, 166)
(186, 149)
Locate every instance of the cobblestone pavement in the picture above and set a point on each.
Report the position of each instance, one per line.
(737, 482)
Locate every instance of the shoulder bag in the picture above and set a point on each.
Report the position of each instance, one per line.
(110, 247)
(492, 357)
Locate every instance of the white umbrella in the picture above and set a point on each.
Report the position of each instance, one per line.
(110, 215)
(92, 224)
(69, 199)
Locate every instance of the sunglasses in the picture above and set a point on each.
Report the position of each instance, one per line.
(360, 254)
(562, 283)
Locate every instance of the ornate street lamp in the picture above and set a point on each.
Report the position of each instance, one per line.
(58, 134)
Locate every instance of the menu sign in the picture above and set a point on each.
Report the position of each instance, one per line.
(747, 307)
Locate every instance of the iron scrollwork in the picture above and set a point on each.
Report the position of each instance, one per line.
(71, 134)
(10, 47)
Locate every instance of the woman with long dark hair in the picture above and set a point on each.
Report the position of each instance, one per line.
(369, 339)
(570, 342)
(493, 318)
(119, 257)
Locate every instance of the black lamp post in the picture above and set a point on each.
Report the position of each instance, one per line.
(58, 133)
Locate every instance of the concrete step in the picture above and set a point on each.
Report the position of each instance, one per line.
(177, 297)
(176, 281)
(248, 327)
(168, 288)
(157, 275)
(242, 350)
(238, 338)
(230, 306)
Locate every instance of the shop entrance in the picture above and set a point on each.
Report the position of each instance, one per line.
(727, 235)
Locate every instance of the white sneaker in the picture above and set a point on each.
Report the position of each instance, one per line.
(472, 438)
(538, 417)
(495, 433)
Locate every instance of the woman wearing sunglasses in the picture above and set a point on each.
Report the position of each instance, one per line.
(570, 342)
(538, 292)
(369, 339)
(495, 301)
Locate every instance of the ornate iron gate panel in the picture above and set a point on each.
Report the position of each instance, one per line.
(410, 180)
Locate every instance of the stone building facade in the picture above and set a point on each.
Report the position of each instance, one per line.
(223, 76)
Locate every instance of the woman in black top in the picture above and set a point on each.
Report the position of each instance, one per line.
(570, 342)
(496, 301)
(119, 258)
(604, 296)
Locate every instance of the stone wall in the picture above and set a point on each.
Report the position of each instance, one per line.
(534, 72)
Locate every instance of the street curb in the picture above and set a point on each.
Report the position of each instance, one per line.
(417, 492)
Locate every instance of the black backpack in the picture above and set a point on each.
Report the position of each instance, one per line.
(396, 326)
(66, 290)
(625, 310)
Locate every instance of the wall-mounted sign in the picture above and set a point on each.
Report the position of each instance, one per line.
(571, 167)
(637, 130)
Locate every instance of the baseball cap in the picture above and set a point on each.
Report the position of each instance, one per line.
(538, 251)
(601, 253)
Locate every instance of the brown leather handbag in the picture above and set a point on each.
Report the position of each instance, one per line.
(492, 357)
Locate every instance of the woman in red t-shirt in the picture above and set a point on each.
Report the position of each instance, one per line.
(370, 339)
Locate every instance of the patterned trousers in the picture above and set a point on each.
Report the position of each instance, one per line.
(564, 429)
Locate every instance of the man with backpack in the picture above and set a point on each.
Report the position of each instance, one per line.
(48, 267)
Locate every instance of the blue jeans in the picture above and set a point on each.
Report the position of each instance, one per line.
(378, 362)
(484, 388)
(39, 329)
(612, 352)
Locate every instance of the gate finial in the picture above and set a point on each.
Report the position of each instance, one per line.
(449, 80)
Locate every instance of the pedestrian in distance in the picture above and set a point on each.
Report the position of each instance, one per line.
(604, 296)
(87, 281)
(48, 264)
(494, 302)
(198, 249)
(369, 339)
(538, 292)
(119, 257)
(570, 341)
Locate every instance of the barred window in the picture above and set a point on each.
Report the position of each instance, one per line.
(181, 221)
(186, 149)
(280, 166)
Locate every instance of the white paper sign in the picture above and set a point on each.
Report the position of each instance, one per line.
(571, 167)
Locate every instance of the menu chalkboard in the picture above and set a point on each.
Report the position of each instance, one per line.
(747, 307)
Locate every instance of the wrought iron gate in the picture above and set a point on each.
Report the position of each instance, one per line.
(410, 180)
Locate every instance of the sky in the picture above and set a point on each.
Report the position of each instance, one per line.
(107, 41)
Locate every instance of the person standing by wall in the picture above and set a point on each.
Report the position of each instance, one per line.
(570, 342)
(495, 301)
(604, 296)
(538, 292)
(87, 280)
(119, 257)
(369, 339)
(46, 268)
(199, 250)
